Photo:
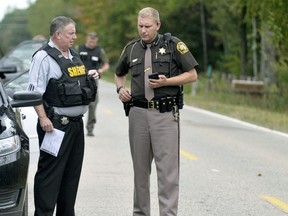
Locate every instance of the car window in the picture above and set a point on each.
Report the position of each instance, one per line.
(20, 83)
(21, 56)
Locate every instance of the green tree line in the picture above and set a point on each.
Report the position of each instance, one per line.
(240, 38)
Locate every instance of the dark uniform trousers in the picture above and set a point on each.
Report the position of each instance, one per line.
(91, 119)
(59, 174)
(154, 135)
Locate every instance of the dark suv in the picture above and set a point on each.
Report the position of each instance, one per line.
(14, 152)
(19, 58)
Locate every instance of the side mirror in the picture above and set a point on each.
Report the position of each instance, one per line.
(8, 69)
(26, 98)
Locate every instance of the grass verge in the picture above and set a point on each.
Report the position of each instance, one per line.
(261, 111)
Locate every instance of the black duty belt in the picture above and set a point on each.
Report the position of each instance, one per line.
(164, 104)
(153, 104)
(64, 120)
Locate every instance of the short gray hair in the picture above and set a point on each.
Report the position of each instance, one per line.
(59, 23)
(149, 12)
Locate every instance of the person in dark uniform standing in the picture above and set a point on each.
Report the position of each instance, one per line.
(57, 72)
(93, 57)
(152, 106)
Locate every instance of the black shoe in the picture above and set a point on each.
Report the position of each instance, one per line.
(90, 134)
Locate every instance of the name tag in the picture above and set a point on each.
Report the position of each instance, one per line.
(95, 58)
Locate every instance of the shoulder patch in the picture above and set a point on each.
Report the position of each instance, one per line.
(182, 48)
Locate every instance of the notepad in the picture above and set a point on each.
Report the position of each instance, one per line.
(52, 142)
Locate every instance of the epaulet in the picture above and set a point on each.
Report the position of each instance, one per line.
(168, 38)
(133, 41)
(130, 43)
(175, 39)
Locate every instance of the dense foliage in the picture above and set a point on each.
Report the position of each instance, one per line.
(244, 39)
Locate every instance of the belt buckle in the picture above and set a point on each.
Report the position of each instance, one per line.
(151, 104)
(64, 120)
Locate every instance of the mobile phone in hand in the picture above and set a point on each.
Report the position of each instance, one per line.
(154, 76)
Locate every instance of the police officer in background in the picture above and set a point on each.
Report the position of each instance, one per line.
(57, 72)
(93, 57)
(154, 123)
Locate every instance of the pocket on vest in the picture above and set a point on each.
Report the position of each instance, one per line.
(87, 95)
(70, 94)
(92, 87)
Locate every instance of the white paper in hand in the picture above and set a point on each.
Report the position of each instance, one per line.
(52, 142)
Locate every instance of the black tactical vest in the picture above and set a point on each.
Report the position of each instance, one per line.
(90, 57)
(75, 87)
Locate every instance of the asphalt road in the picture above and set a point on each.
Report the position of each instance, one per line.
(228, 167)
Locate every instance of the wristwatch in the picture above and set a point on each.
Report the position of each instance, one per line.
(119, 88)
